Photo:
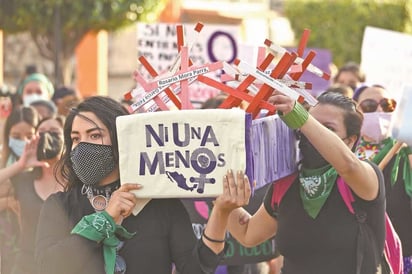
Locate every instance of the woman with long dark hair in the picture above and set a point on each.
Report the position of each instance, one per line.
(89, 228)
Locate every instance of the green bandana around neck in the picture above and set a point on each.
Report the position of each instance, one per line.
(387, 144)
(100, 227)
(315, 187)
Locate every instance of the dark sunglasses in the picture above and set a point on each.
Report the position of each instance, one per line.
(370, 105)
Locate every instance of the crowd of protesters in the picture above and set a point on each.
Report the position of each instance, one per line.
(49, 180)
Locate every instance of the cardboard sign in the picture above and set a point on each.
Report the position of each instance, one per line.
(183, 153)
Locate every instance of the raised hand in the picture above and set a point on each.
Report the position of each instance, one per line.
(236, 192)
(282, 102)
(29, 157)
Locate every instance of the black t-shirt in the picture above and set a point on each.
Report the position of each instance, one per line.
(399, 206)
(328, 243)
(164, 235)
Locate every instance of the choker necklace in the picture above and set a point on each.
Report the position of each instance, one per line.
(99, 196)
(376, 152)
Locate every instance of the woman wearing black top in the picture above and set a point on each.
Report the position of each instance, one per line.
(89, 227)
(315, 232)
(378, 108)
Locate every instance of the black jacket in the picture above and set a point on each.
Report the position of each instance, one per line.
(164, 236)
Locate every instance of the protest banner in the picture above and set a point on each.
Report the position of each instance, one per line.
(183, 153)
(183, 71)
(401, 127)
(386, 59)
(274, 150)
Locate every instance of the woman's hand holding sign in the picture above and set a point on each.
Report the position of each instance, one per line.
(122, 202)
(236, 192)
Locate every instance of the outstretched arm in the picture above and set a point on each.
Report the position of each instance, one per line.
(359, 175)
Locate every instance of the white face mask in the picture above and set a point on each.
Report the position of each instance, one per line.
(375, 126)
(30, 98)
(17, 146)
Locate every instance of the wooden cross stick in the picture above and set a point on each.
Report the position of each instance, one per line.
(266, 90)
(233, 101)
(155, 94)
(234, 92)
(184, 85)
(392, 152)
(233, 75)
(154, 74)
(311, 68)
(303, 42)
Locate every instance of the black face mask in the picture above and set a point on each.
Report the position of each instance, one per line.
(311, 158)
(50, 145)
(92, 162)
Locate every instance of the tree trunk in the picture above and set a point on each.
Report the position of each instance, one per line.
(66, 70)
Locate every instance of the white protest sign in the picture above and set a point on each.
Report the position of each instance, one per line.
(402, 125)
(182, 153)
(386, 59)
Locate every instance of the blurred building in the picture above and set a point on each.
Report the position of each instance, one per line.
(259, 19)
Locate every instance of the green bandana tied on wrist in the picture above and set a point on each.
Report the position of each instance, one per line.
(100, 227)
(315, 187)
(296, 118)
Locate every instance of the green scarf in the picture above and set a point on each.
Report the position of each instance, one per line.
(315, 187)
(403, 154)
(407, 170)
(100, 227)
(387, 144)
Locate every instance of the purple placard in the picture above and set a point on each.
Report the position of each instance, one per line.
(248, 148)
(274, 150)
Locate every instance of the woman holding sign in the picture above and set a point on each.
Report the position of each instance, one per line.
(315, 232)
(89, 228)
